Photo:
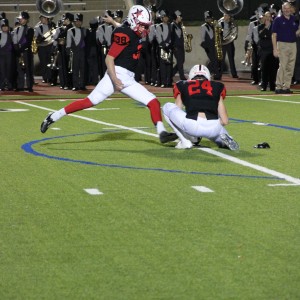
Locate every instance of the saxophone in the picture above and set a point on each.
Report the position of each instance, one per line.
(34, 46)
(187, 40)
(218, 40)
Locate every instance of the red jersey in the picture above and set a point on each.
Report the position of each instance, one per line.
(200, 96)
(125, 48)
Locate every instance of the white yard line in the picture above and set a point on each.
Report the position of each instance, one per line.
(268, 99)
(252, 166)
(202, 189)
(290, 179)
(91, 120)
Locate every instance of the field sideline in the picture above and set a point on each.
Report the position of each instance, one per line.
(97, 208)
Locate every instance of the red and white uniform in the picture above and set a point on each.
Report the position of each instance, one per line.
(197, 96)
(125, 48)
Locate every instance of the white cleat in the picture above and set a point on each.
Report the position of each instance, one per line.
(229, 142)
(185, 145)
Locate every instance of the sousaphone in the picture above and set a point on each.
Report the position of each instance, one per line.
(230, 7)
(49, 8)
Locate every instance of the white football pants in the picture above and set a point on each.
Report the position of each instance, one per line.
(132, 89)
(176, 117)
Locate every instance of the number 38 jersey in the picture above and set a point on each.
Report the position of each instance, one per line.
(125, 47)
(200, 96)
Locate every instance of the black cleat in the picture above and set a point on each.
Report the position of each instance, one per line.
(46, 123)
(166, 137)
(197, 141)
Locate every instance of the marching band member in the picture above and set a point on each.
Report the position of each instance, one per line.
(103, 35)
(44, 49)
(76, 44)
(163, 36)
(207, 42)
(60, 41)
(6, 56)
(178, 43)
(22, 39)
(228, 49)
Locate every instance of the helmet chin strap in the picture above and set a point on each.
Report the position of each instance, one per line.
(142, 33)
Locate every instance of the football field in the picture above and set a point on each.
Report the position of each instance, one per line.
(97, 208)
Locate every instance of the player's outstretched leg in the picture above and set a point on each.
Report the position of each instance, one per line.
(71, 108)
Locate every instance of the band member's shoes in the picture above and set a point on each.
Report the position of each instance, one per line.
(184, 145)
(166, 137)
(46, 123)
(229, 142)
(287, 91)
(278, 91)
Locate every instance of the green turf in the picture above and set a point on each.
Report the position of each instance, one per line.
(150, 235)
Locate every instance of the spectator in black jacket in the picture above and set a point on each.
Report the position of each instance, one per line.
(269, 63)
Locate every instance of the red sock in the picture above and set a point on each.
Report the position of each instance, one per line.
(78, 105)
(155, 112)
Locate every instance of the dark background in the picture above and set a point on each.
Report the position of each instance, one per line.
(193, 10)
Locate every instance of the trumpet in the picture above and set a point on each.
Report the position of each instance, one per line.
(53, 65)
(248, 56)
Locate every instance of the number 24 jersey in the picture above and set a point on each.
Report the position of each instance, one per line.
(200, 95)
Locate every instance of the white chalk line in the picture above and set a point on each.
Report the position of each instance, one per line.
(274, 173)
(269, 100)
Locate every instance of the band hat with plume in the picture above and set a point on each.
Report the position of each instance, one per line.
(78, 17)
(23, 15)
(4, 22)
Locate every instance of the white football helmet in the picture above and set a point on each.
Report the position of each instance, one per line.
(199, 70)
(139, 15)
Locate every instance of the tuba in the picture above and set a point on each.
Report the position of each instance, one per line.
(230, 7)
(49, 8)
